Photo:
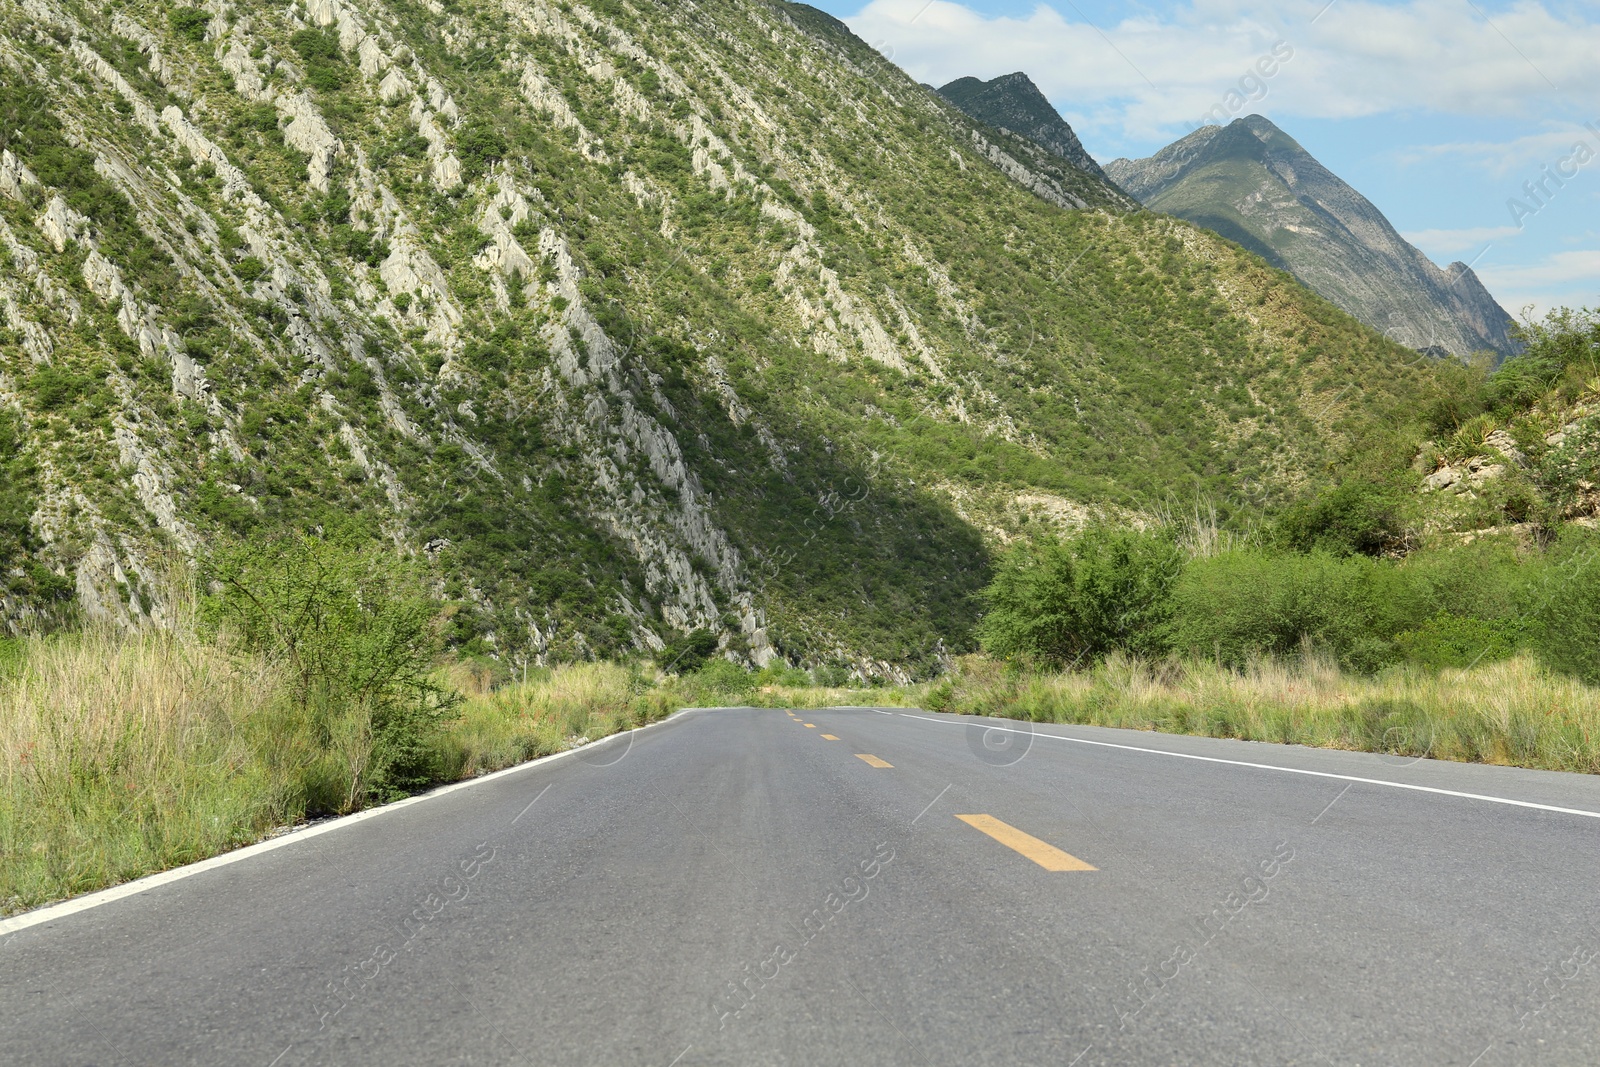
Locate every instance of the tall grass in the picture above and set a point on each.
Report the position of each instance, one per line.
(555, 709)
(1513, 712)
(126, 754)
(123, 755)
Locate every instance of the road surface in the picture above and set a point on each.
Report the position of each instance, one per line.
(867, 886)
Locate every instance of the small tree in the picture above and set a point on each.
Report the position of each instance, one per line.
(1072, 601)
(358, 635)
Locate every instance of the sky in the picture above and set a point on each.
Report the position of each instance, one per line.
(1474, 125)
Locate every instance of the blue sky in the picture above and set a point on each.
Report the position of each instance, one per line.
(1438, 111)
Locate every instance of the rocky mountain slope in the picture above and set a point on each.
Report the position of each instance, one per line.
(1252, 183)
(1014, 104)
(634, 316)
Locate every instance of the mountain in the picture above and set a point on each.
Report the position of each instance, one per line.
(1013, 103)
(1252, 183)
(631, 317)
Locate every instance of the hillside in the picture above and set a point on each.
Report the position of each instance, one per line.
(632, 318)
(1252, 183)
(1013, 103)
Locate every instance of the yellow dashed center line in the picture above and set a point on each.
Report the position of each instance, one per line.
(872, 761)
(811, 726)
(829, 737)
(1045, 855)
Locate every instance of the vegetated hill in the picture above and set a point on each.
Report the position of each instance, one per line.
(635, 317)
(1518, 447)
(1013, 103)
(1252, 183)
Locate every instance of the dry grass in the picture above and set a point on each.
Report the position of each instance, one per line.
(120, 756)
(554, 710)
(1513, 712)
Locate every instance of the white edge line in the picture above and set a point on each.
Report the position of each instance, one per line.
(1274, 767)
(52, 912)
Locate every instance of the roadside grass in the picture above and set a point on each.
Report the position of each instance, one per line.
(1513, 712)
(555, 709)
(121, 755)
(126, 754)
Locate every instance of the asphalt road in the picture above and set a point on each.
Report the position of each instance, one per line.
(737, 887)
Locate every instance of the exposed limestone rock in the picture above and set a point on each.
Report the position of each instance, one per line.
(61, 225)
(123, 26)
(1502, 442)
(151, 483)
(370, 57)
(394, 86)
(14, 177)
(1469, 476)
(143, 113)
(546, 98)
(247, 78)
(1040, 185)
(308, 132)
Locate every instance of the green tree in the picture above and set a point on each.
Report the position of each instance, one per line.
(1072, 601)
(1357, 517)
(358, 635)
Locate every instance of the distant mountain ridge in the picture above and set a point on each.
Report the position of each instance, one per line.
(1014, 104)
(1255, 185)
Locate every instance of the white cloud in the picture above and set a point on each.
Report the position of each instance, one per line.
(1442, 244)
(1148, 76)
(1569, 279)
(1521, 156)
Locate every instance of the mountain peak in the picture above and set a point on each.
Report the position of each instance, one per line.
(1012, 102)
(1256, 185)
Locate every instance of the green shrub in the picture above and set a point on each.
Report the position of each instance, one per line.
(358, 636)
(688, 652)
(1576, 460)
(480, 147)
(1458, 642)
(1566, 606)
(720, 676)
(1246, 604)
(1357, 517)
(781, 673)
(326, 70)
(1073, 601)
(189, 23)
(831, 676)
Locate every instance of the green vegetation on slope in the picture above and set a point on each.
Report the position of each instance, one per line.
(637, 318)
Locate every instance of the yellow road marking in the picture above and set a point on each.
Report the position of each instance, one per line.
(811, 726)
(873, 761)
(1047, 856)
(829, 737)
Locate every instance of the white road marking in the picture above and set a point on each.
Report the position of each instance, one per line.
(542, 792)
(931, 803)
(1273, 767)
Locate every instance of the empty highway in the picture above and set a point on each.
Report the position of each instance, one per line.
(865, 886)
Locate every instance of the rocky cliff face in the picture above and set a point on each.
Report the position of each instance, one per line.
(1014, 104)
(633, 316)
(1252, 183)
